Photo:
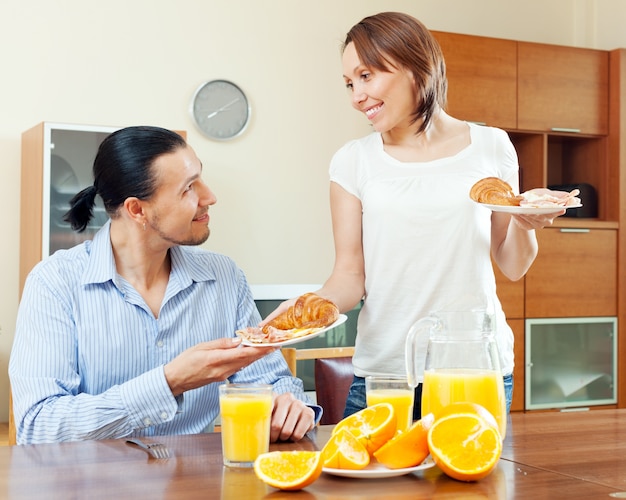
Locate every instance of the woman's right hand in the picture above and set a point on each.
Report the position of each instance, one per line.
(282, 307)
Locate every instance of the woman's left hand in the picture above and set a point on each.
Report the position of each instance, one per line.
(529, 222)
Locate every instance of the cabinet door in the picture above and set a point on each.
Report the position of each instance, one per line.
(575, 274)
(482, 78)
(562, 88)
(570, 362)
(517, 325)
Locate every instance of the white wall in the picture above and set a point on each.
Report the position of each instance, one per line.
(133, 62)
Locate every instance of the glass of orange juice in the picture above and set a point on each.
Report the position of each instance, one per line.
(245, 411)
(395, 391)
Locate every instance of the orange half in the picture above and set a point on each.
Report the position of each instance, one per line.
(465, 446)
(288, 470)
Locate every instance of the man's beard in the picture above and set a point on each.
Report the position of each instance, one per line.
(190, 241)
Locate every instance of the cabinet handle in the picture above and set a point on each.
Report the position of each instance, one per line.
(574, 230)
(565, 129)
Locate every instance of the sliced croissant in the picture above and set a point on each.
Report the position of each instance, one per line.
(309, 311)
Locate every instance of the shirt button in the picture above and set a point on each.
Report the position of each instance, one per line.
(147, 421)
(160, 343)
(164, 415)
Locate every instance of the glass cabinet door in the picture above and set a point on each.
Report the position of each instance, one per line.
(68, 170)
(571, 362)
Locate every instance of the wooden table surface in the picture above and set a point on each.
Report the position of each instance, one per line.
(590, 445)
(546, 455)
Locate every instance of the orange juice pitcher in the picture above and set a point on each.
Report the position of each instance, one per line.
(455, 356)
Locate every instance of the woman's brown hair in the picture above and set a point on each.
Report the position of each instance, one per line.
(394, 39)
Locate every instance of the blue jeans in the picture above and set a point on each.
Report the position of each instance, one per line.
(356, 397)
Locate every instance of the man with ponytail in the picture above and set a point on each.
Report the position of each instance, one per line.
(131, 333)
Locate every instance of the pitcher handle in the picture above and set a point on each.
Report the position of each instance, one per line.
(420, 327)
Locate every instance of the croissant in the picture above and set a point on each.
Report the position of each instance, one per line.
(309, 311)
(494, 191)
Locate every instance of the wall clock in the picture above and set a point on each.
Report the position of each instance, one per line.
(220, 109)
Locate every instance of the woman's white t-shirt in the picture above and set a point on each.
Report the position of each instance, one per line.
(426, 243)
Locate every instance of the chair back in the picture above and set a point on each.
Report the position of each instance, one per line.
(333, 377)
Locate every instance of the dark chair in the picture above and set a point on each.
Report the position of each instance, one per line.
(333, 376)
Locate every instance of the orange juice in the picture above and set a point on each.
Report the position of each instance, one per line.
(484, 387)
(400, 399)
(245, 426)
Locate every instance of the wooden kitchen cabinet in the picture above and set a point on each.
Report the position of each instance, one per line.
(556, 159)
(482, 78)
(531, 151)
(57, 162)
(526, 86)
(562, 88)
(575, 274)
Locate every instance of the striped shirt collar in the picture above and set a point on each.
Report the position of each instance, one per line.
(101, 263)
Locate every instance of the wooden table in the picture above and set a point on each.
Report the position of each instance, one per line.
(547, 455)
(589, 445)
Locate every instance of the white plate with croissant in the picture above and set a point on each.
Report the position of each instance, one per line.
(309, 316)
(497, 195)
(292, 336)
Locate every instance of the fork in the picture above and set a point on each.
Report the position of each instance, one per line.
(155, 450)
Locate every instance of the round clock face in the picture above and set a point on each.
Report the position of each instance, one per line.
(220, 109)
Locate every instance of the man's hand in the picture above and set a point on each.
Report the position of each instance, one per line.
(291, 419)
(209, 362)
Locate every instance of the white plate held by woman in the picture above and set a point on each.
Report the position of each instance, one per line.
(528, 210)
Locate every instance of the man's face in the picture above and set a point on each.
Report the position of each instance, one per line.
(179, 210)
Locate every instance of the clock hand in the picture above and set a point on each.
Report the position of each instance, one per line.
(223, 108)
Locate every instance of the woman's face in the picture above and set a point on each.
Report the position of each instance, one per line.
(387, 98)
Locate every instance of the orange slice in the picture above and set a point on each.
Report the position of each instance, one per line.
(407, 449)
(288, 470)
(372, 426)
(465, 446)
(344, 451)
